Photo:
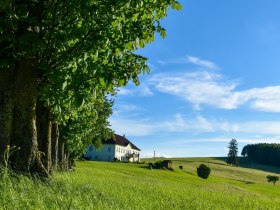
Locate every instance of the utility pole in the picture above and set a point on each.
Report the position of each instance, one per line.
(154, 156)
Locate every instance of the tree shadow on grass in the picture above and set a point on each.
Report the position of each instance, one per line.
(145, 166)
(187, 172)
(247, 163)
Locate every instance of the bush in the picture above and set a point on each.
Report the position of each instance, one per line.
(203, 171)
(159, 165)
(156, 165)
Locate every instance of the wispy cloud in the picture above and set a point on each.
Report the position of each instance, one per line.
(265, 99)
(188, 59)
(198, 124)
(205, 88)
(141, 90)
(144, 90)
(125, 91)
(150, 154)
(122, 109)
(180, 60)
(200, 62)
(251, 140)
(132, 127)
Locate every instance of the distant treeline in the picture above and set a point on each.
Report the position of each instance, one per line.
(263, 153)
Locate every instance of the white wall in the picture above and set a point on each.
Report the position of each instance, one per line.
(122, 151)
(110, 151)
(105, 153)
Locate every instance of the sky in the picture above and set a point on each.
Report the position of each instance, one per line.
(215, 77)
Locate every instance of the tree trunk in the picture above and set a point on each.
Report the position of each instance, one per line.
(55, 136)
(24, 131)
(44, 129)
(61, 155)
(67, 161)
(26, 124)
(6, 109)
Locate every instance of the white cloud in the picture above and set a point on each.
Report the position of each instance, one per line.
(202, 63)
(199, 124)
(125, 109)
(266, 99)
(132, 127)
(125, 91)
(205, 64)
(144, 127)
(252, 140)
(150, 154)
(260, 127)
(204, 88)
(141, 90)
(144, 90)
(196, 87)
(180, 60)
(207, 88)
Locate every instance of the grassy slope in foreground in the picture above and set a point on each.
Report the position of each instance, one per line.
(103, 185)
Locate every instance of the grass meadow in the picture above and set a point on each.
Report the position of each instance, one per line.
(104, 185)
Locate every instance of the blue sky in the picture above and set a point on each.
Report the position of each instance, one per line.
(214, 77)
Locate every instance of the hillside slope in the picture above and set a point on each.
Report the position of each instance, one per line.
(103, 185)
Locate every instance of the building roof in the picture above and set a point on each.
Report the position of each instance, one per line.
(120, 140)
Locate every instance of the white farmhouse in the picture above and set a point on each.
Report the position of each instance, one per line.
(116, 148)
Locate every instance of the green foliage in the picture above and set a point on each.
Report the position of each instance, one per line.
(89, 127)
(263, 153)
(233, 153)
(272, 179)
(203, 171)
(83, 52)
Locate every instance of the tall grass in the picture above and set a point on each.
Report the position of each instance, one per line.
(102, 185)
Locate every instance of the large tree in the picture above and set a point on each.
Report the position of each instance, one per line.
(232, 158)
(58, 60)
(272, 179)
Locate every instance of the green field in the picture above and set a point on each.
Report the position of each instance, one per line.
(103, 185)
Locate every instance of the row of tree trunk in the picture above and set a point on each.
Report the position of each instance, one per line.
(26, 126)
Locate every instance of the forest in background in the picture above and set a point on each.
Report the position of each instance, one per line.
(263, 153)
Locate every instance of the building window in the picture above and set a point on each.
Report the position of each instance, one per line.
(109, 158)
(109, 149)
(90, 148)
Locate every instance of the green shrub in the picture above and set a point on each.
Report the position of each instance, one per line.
(203, 171)
(156, 165)
(161, 164)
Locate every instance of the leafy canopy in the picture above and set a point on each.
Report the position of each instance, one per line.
(84, 50)
(272, 179)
